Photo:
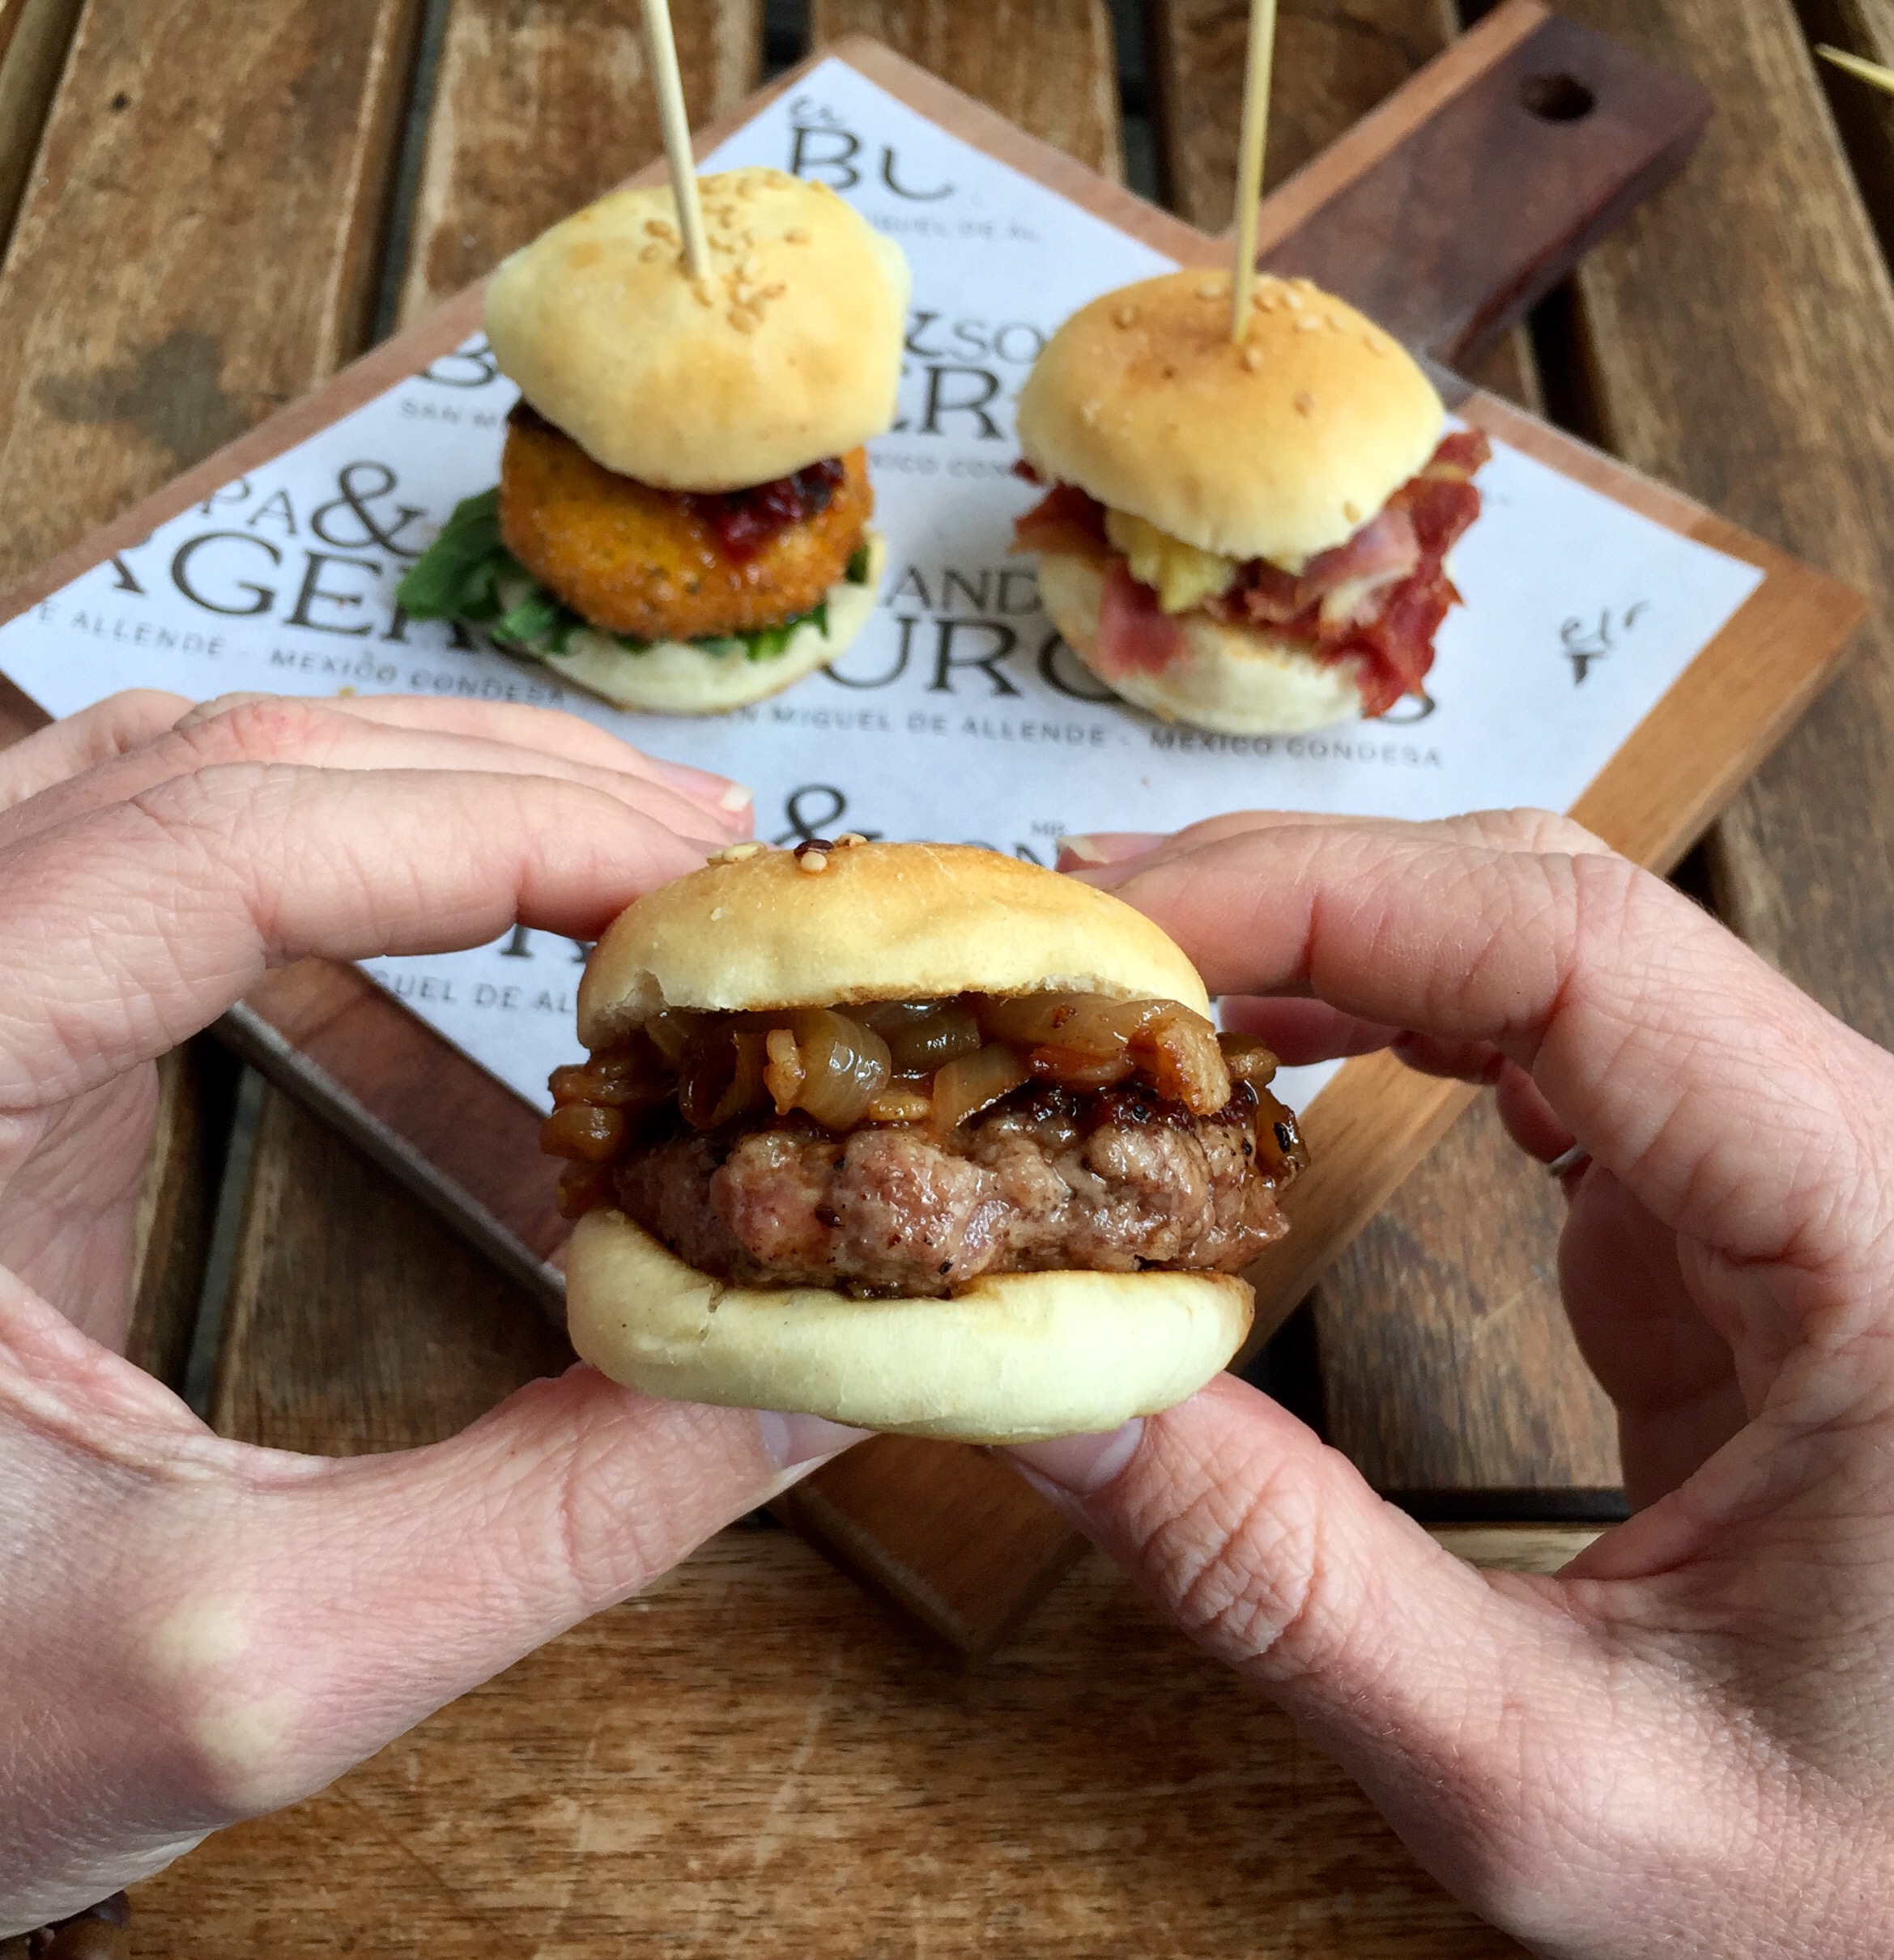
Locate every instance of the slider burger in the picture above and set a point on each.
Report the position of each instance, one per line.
(914, 1137)
(1249, 536)
(681, 524)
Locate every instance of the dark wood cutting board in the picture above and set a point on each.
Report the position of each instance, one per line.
(1446, 213)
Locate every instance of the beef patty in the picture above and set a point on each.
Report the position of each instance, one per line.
(1110, 1180)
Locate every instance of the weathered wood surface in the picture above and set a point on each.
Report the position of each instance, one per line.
(744, 1760)
(538, 106)
(143, 331)
(1047, 64)
(356, 1321)
(1446, 1360)
(34, 38)
(1757, 281)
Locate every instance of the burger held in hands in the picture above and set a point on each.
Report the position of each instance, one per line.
(914, 1137)
(681, 524)
(1248, 535)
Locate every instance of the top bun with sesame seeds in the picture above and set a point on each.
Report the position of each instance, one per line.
(790, 351)
(1279, 447)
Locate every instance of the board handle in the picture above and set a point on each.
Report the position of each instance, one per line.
(1446, 220)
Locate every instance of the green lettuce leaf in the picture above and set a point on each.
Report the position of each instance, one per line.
(467, 573)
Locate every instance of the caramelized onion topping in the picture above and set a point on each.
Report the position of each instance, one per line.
(939, 1062)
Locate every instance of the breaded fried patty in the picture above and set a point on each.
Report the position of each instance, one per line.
(649, 562)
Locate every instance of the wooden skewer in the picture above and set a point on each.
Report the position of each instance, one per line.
(1255, 140)
(676, 124)
(1859, 66)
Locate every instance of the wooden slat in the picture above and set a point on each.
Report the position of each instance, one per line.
(1446, 1360)
(186, 262)
(143, 328)
(178, 1207)
(1047, 64)
(541, 104)
(1703, 303)
(745, 1761)
(34, 36)
(355, 1322)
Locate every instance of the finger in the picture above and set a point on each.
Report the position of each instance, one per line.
(1272, 1553)
(1530, 1121)
(1670, 1373)
(1300, 1032)
(1522, 830)
(131, 928)
(272, 729)
(1645, 1024)
(544, 731)
(107, 729)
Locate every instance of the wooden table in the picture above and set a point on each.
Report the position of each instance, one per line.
(211, 207)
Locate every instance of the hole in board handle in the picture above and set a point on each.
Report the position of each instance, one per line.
(1557, 98)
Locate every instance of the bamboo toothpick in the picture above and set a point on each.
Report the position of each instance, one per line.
(1255, 140)
(676, 124)
(1859, 65)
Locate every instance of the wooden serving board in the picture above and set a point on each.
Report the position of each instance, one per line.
(1390, 212)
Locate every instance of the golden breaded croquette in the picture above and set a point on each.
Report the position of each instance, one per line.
(649, 563)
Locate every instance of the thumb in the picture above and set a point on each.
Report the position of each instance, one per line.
(384, 1587)
(1272, 1552)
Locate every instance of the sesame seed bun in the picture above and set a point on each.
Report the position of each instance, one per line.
(676, 677)
(1232, 680)
(880, 922)
(788, 352)
(1279, 448)
(1013, 1359)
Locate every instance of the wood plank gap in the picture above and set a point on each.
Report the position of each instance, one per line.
(35, 36)
(404, 193)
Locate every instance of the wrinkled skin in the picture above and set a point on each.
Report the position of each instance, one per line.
(195, 1630)
(1683, 1744)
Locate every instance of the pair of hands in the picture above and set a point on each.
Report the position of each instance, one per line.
(1679, 1747)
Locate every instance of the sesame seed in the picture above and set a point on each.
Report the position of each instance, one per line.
(1305, 403)
(1352, 512)
(1375, 345)
(1252, 359)
(656, 227)
(651, 253)
(1292, 300)
(1210, 289)
(849, 839)
(774, 292)
(1307, 325)
(734, 853)
(811, 861)
(741, 322)
(701, 293)
(1126, 315)
(797, 235)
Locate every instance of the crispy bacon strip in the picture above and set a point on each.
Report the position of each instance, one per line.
(1064, 520)
(1377, 599)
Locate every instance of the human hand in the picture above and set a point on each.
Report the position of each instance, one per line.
(196, 1630)
(1683, 1745)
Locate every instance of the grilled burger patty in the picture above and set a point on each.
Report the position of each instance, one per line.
(663, 564)
(1049, 1178)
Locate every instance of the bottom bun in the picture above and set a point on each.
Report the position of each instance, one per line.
(1228, 678)
(1015, 1359)
(677, 677)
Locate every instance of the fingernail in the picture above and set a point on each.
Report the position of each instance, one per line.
(1081, 850)
(702, 786)
(1081, 1464)
(1105, 849)
(792, 1439)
